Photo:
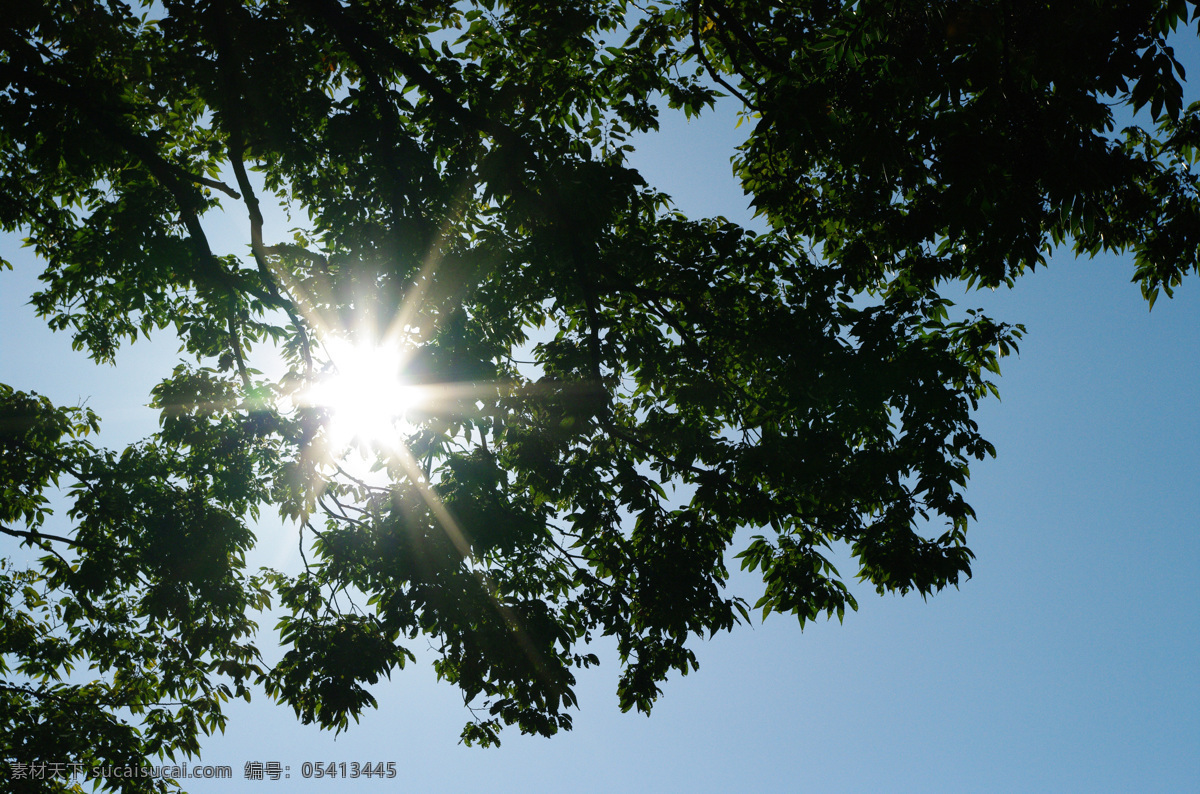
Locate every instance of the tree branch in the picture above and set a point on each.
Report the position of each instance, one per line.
(726, 19)
(34, 536)
(215, 185)
(177, 180)
(712, 72)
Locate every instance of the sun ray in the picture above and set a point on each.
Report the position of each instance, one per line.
(458, 538)
(371, 406)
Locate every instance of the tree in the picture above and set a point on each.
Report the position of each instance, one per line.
(462, 174)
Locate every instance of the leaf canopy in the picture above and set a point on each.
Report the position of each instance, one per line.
(628, 399)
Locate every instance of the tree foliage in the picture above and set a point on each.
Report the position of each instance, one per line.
(631, 398)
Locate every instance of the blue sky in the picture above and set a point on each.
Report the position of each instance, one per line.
(1069, 662)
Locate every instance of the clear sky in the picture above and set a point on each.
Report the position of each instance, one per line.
(1070, 662)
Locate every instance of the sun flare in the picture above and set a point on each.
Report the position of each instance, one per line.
(365, 393)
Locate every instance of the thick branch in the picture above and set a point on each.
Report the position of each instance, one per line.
(36, 536)
(712, 71)
(215, 185)
(368, 46)
(172, 177)
(727, 20)
(365, 40)
(257, 248)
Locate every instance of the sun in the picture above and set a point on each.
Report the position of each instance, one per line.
(365, 393)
